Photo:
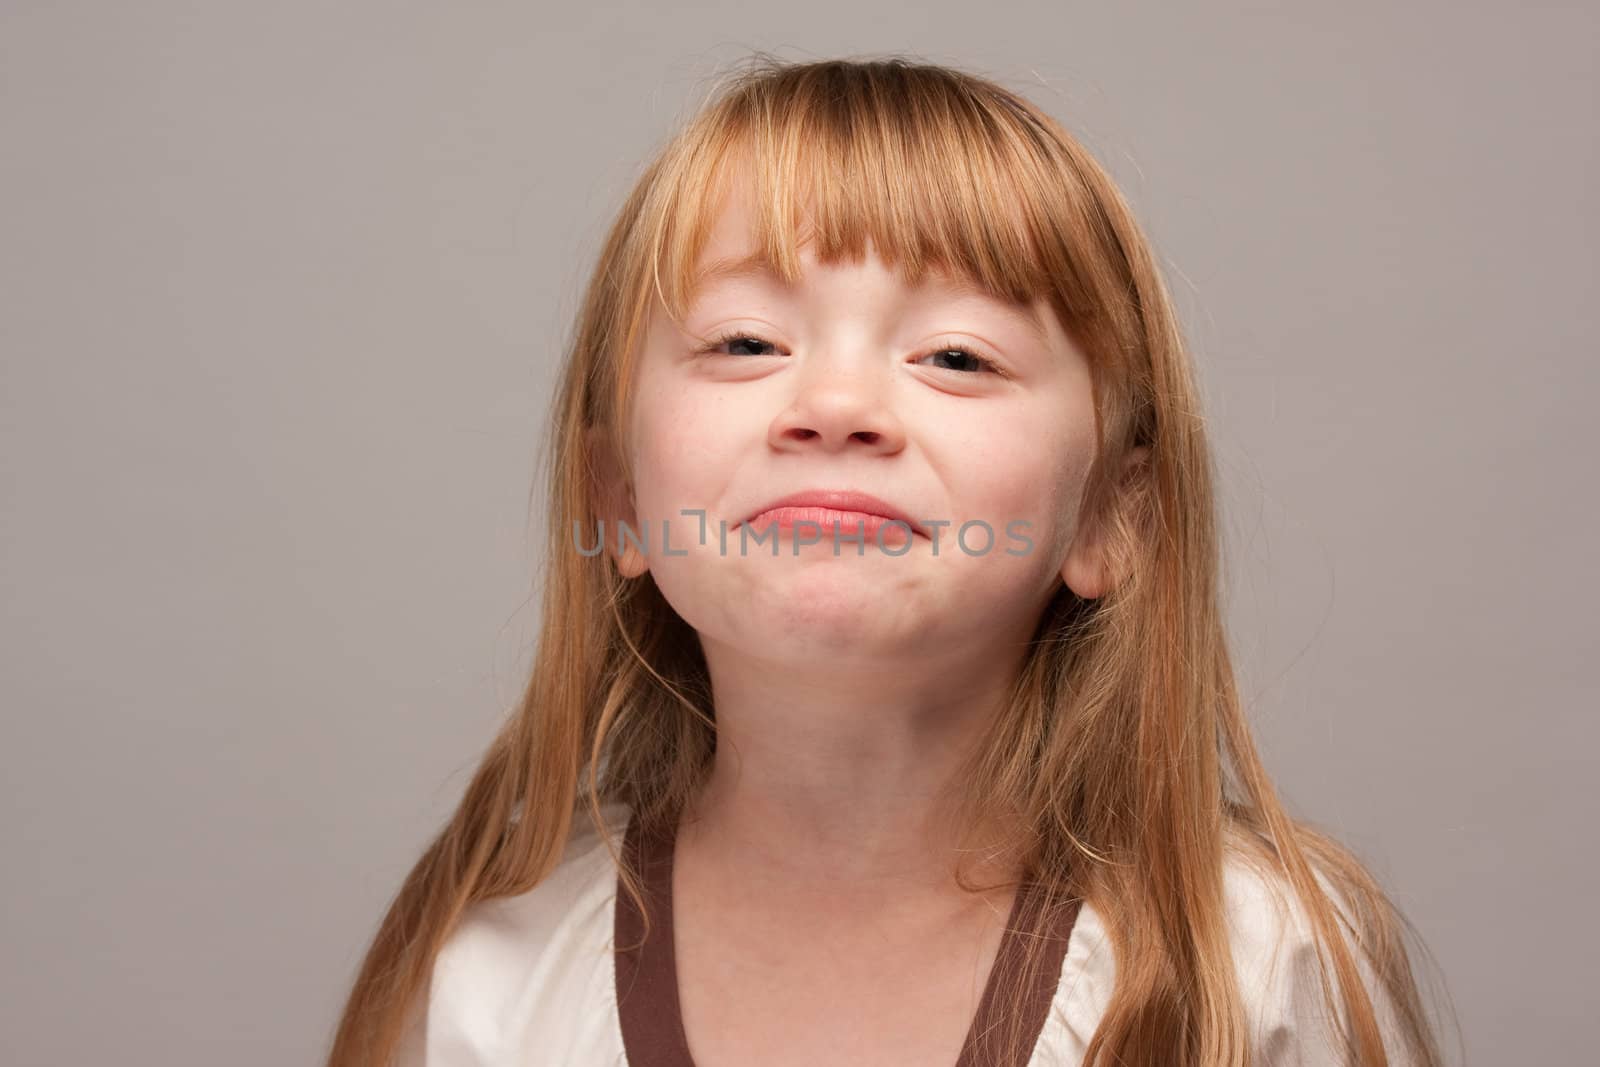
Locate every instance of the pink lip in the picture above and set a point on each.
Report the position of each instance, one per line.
(850, 507)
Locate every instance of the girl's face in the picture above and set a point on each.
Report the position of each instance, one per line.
(848, 382)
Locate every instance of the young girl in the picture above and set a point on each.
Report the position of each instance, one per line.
(895, 723)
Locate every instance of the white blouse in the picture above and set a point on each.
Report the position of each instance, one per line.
(532, 980)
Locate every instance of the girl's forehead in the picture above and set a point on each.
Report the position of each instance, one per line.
(953, 294)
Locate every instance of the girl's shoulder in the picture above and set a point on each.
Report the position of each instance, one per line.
(1276, 964)
(533, 966)
(1280, 967)
(574, 899)
(1280, 964)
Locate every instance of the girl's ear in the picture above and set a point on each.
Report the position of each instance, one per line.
(612, 501)
(1087, 570)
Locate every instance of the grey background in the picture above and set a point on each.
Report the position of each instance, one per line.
(284, 290)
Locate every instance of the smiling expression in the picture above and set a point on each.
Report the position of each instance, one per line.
(941, 401)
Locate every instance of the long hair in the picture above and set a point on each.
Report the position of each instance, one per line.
(1123, 754)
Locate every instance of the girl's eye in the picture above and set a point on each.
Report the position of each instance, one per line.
(972, 362)
(969, 362)
(735, 337)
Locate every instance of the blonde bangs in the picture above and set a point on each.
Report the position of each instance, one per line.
(933, 178)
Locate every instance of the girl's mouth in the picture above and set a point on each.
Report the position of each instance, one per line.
(824, 522)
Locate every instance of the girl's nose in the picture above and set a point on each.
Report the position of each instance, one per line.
(835, 410)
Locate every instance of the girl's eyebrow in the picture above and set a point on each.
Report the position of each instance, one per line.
(1028, 313)
(757, 265)
(753, 264)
